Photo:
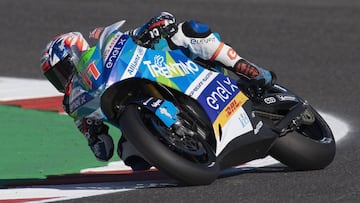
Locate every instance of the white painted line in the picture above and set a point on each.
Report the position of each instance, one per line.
(112, 166)
(62, 192)
(17, 88)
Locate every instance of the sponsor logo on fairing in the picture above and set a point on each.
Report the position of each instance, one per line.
(156, 103)
(159, 67)
(200, 83)
(286, 98)
(165, 112)
(147, 101)
(221, 94)
(244, 119)
(115, 52)
(269, 100)
(134, 63)
(232, 107)
(110, 45)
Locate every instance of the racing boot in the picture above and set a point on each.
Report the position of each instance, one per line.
(130, 156)
(258, 79)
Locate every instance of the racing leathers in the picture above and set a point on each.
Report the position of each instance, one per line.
(196, 40)
(162, 32)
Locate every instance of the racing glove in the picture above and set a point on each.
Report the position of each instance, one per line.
(99, 141)
(162, 26)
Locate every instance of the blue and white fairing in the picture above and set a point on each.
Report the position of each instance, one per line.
(116, 58)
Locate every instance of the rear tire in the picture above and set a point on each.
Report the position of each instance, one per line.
(311, 147)
(135, 125)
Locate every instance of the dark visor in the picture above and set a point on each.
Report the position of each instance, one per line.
(60, 74)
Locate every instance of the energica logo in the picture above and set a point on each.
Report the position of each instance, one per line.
(170, 70)
(115, 52)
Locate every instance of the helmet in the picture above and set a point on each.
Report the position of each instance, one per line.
(60, 57)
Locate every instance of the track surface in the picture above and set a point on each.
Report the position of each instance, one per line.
(312, 46)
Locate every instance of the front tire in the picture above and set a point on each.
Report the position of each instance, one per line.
(311, 147)
(138, 126)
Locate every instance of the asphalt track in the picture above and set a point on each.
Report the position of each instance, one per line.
(313, 46)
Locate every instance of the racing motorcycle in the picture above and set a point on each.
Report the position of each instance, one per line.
(190, 122)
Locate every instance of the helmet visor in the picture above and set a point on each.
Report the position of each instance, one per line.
(60, 74)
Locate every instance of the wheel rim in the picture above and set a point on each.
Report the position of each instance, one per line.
(192, 148)
(315, 130)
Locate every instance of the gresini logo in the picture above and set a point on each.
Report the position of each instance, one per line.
(170, 70)
(224, 91)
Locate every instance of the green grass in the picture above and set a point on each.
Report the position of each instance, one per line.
(35, 144)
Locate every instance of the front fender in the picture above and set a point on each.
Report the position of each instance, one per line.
(166, 111)
(139, 91)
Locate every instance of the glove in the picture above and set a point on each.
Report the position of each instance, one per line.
(102, 146)
(151, 32)
(100, 142)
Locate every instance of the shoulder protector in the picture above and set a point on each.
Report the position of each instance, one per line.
(195, 29)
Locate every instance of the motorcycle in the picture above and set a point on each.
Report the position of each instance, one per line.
(190, 122)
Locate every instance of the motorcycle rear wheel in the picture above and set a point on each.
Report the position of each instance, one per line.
(145, 132)
(311, 147)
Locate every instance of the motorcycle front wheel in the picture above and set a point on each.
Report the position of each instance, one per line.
(188, 159)
(310, 147)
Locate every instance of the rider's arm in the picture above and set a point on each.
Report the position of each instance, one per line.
(93, 129)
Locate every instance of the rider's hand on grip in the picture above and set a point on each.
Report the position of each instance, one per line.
(163, 25)
(100, 143)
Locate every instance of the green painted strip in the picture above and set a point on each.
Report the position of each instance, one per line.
(35, 144)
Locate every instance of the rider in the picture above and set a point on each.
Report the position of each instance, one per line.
(61, 56)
